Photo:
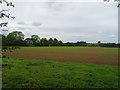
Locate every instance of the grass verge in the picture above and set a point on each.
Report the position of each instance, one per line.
(23, 73)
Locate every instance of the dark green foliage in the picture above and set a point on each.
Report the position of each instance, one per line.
(82, 43)
(92, 44)
(5, 44)
(29, 42)
(44, 42)
(109, 45)
(55, 42)
(50, 42)
(35, 40)
(16, 38)
(10, 48)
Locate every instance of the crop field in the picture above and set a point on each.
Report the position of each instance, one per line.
(60, 67)
(93, 55)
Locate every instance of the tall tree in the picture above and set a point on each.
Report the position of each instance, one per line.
(44, 42)
(35, 39)
(55, 42)
(81, 43)
(29, 42)
(60, 43)
(50, 42)
(15, 38)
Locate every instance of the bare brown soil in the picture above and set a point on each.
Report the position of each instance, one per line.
(83, 55)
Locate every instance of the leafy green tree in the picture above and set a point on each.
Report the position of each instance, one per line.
(15, 38)
(36, 40)
(81, 43)
(55, 42)
(29, 42)
(50, 42)
(44, 42)
(78, 43)
(59, 43)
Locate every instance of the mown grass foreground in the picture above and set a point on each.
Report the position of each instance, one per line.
(23, 73)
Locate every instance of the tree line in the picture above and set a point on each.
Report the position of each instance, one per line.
(17, 38)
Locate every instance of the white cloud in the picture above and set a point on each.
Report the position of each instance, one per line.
(67, 21)
(57, 0)
(112, 36)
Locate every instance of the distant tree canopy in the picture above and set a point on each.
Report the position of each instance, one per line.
(17, 38)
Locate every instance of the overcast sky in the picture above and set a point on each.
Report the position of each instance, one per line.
(76, 21)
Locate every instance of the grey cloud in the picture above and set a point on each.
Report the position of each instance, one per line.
(21, 28)
(24, 28)
(57, 6)
(21, 23)
(74, 21)
(36, 24)
(33, 23)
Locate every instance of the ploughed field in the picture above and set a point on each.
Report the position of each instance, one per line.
(93, 55)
